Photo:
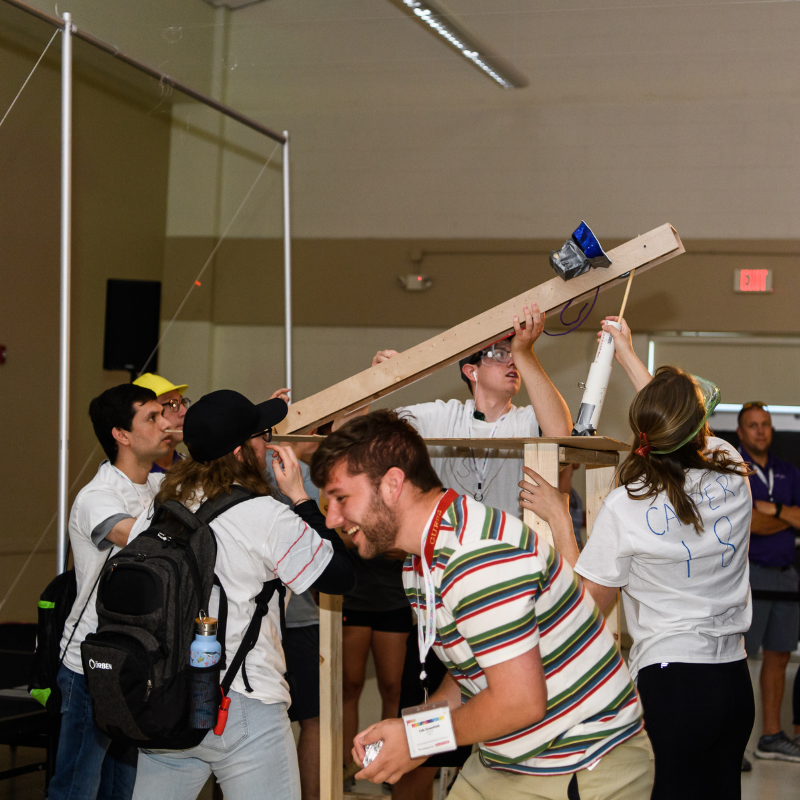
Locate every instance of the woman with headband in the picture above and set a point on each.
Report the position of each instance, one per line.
(674, 538)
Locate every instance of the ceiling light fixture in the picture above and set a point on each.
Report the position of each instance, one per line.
(446, 27)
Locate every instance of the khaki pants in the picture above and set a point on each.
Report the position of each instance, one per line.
(626, 773)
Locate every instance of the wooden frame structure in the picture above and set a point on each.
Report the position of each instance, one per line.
(546, 456)
(641, 253)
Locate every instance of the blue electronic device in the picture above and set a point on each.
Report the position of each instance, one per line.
(580, 253)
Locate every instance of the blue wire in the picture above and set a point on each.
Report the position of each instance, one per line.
(578, 321)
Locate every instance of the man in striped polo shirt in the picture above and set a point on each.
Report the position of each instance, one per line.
(534, 676)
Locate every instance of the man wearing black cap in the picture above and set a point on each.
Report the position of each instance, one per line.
(493, 376)
(228, 439)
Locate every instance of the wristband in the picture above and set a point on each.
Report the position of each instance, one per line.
(778, 509)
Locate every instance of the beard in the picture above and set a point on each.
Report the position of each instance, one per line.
(380, 528)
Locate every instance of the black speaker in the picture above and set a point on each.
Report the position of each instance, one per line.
(133, 313)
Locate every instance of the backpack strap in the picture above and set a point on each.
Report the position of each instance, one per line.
(253, 629)
(210, 509)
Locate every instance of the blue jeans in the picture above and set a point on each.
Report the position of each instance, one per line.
(89, 765)
(254, 758)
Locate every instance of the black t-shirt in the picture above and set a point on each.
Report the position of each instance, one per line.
(379, 585)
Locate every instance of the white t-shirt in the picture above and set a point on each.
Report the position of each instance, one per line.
(106, 500)
(497, 471)
(258, 540)
(686, 594)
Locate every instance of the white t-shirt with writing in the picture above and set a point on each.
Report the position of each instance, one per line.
(258, 540)
(497, 471)
(107, 499)
(686, 593)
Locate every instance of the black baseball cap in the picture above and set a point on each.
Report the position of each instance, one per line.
(221, 421)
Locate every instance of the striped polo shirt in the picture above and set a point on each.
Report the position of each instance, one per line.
(500, 591)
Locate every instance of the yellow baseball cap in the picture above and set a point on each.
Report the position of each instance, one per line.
(158, 384)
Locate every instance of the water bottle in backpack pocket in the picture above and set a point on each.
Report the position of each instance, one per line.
(204, 656)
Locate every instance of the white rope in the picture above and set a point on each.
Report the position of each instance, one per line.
(45, 532)
(57, 31)
(196, 281)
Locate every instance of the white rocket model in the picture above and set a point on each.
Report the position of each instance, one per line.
(596, 386)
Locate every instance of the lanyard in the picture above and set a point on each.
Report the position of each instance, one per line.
(768, 483)
(426, 624)
(483, 469)
(135, 488)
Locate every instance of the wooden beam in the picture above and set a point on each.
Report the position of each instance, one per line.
(330, 697)
(541, 458)
(600, 444)
(642, 253)
(599, 482)
(572, 455)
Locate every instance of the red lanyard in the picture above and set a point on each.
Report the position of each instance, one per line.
(433, 532)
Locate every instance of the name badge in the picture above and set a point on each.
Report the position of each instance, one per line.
(429, 729)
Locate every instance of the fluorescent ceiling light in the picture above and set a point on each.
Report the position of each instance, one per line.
(446, 26)
(736, 407)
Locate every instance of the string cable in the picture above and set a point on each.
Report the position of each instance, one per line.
(196, 281)
(22, 88)
(46, 531)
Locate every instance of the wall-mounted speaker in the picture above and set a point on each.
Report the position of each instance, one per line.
(133, 314)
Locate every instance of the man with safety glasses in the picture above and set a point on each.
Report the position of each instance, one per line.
(776, 511)
(174, 404)
(494, 376)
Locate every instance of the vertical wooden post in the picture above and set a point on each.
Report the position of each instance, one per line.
(330, 696)
(599, 482)
(542, 458)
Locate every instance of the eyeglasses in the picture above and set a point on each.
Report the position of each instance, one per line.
(754, 404)
(175, 405)
(265, 435)
(496, 356)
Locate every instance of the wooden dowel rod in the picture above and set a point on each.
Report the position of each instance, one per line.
(627, 292)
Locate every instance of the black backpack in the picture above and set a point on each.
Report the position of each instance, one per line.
(55, 605)
(137, 663)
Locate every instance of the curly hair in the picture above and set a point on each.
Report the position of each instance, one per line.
(189, 481)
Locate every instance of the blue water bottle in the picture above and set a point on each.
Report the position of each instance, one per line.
(204, 654)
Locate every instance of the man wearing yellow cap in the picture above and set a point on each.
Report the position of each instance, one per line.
(174, 404)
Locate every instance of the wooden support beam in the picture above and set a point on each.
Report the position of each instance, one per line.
(541, 458)
(602, 445)
(599, 482)
(572, 455)
(641, 253)
(330, 697)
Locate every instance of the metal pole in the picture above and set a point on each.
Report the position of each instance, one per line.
(287, 262)
(66, 215)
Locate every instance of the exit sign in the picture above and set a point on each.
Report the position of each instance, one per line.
(752, 280)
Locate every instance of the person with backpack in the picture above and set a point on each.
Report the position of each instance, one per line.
(258, 541)
(129, 425)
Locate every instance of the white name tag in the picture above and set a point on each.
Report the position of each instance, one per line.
(429, 729)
